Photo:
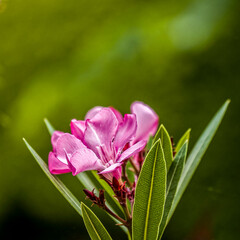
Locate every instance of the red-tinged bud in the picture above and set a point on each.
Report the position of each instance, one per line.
(173, 147)
(101, 197)
(90, 195)
(100, 201)
(115, 183)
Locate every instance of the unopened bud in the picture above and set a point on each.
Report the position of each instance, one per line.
(101, 197)
(90, 195)
(115, 183)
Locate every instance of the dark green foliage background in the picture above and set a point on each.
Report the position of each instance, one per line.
(60, 58)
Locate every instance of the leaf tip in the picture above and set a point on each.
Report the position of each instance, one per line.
(46, 121)
(49, 126)
(158, 142)
(25, 141)
(162, 127)
(83, 207)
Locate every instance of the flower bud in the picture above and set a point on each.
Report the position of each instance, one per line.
(90, 195)
(115, 184)
(101, 197)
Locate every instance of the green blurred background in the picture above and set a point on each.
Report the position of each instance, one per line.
(60, 58)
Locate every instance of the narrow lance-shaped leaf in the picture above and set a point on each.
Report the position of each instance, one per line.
(95, 228)
(166, 145)
(49, 126)
(182, 140)
(149, 143)
(55, 180)
(197, 154)
(86, 181)
(174, 175)
(130, 172)
(150, 195)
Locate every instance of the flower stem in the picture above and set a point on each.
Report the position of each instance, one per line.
(124, 222)
(128, 218)
(134, 166)
(127, 223)
(124, 175)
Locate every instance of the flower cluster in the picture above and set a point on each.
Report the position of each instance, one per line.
(103, 141)
(137, 175)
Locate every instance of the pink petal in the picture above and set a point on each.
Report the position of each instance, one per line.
(111, 168)
(54, 138)
(92, 112)
(100, 130)
(84, 159)
(55, 166)
(117, 173)
(78, 128)
(139, 146)
(147, 121)
(117, 114)
(126, 131)
(69, 144)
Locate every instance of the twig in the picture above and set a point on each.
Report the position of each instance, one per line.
(134, 166)
(124, 222)
(124, 175)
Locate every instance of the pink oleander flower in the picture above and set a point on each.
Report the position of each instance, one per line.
(96, 143)
(147, 121)
(147, 124)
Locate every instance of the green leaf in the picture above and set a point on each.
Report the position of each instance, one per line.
(130, 172)
(197, 154)
(182, 140)
(150, 195)
(174, 175)
(166, 144)
(86, 181)
(55, 180)
(49, 126)
(149, 143)
(95, 228)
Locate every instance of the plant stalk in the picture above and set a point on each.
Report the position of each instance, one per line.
(128, 218)
(134, 166)
(124, 222)
(124, 175)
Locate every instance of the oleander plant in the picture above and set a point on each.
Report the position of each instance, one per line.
(129, 166)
